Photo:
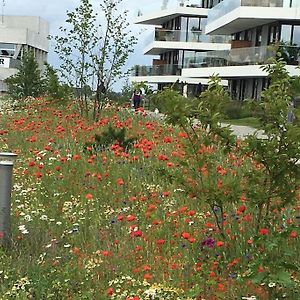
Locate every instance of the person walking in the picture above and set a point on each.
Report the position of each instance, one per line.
(136, 98)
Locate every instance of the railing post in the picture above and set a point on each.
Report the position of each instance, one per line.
(6, 171)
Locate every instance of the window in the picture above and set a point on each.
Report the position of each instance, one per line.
(7, 49)
(273, 34)
(194, 24)
(296, 35)
(258, 36)
(286, 33)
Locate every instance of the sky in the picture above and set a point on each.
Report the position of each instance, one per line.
(54, 11)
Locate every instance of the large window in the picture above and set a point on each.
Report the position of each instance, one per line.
(296, 35)
(286, 33)
(194, 24)
(7, 49)
(291, 3)
(290, 34)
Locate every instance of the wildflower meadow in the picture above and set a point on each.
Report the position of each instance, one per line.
(162, 218)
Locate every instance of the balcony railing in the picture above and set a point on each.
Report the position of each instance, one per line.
(227, 6)
(239, 57)
(185, 36)
(156, 70)
(188, 36)
(233, 57)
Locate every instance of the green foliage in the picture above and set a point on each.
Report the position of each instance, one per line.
(75, 45)
(279, 152)
(278, 265)
(176, 107)
(28, 81)
(93, 53)
(289, 52)
(212, 103)
(238, 110)
(109, 137)
(53, 88)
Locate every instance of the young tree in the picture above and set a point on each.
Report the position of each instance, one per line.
(113, 50)
(28, 81)
(53, 88)
(74, 49)
(94, 53)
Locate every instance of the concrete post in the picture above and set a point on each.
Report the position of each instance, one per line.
(6, 170)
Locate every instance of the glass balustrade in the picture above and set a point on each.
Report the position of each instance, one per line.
(227, 6)
(156, 70)
(188, 36)
(233, 57)
(242, 56)
(185, 36)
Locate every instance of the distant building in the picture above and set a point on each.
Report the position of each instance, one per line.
(179, 42)
(19, 34)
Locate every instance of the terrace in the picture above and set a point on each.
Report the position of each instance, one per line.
(243, 56)
(235, 15)
(161, 34)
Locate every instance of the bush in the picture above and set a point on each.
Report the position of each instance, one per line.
(239, 110)
(109, 137)
(28, 81)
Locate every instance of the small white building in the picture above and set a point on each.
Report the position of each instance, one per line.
(19, 34)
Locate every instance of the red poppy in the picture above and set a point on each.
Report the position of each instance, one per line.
(136, 233)
(264, 231)
(31, 164)
(242, 208)
(120, 181)
(192, 240)
(147, 276)
(293, 234)
(160, 242)
(185, 235)
(88, 196)
(219, 243)
(130, 218)
(76, 157)
(110, 291)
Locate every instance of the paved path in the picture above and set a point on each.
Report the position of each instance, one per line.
(240, 131)
(243, 131)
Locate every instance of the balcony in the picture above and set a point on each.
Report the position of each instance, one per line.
(163, 40)
(188, 36)
(162, 16)
(233, 57)
(230, 16)
(156, 70)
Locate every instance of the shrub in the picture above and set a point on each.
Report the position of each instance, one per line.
(109, 137)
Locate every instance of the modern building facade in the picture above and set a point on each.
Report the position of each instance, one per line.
(19, 34)
(257, 28)
(177, 42)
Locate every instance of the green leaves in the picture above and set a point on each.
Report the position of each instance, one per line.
(28, 81)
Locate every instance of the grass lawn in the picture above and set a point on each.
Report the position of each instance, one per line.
(250, 121)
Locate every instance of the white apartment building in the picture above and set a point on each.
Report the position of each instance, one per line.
(255, 27)
(19, 34)
(177, 42)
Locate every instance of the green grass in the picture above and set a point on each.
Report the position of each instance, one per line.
(250, 121)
